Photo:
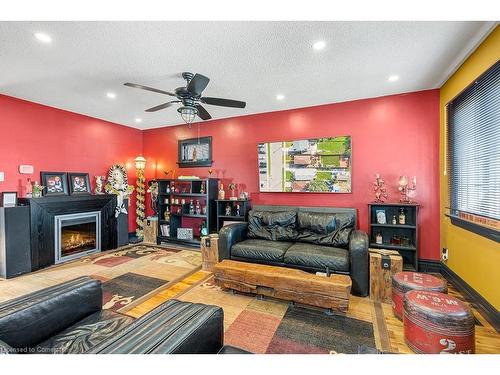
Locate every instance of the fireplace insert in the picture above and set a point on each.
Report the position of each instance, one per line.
(77, 235)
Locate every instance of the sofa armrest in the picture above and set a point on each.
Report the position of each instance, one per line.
(4, 348)
(230, 235)
(359, 262)
(28, 320)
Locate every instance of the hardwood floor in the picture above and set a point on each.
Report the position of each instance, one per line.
(197, 287)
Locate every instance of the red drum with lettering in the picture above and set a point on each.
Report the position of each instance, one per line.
(403, 282)
(436, 323)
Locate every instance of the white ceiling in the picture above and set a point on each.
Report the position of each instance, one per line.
(249, 61)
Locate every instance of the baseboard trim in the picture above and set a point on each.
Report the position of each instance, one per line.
(429, 266)
(488, 311)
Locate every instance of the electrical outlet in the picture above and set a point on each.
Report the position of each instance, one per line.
(444, 254)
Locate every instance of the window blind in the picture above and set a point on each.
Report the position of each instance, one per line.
(474, 149)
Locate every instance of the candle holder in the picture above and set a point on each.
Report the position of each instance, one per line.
(408, 191)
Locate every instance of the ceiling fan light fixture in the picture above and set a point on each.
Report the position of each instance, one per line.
(188, 114)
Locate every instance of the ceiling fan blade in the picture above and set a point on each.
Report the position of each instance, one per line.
(202, 112)
(135, 85)
(223, 102)
(161, 106)
(197, 84)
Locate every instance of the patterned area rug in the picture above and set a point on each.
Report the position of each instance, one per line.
(132, 273)
(273, 326)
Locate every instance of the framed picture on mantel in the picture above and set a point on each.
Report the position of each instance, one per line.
(195, 152)
(56, 183)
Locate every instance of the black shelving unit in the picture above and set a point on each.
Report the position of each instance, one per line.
(221, 210)
(174, 198)
(409, 251)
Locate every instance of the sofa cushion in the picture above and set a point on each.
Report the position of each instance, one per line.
(275, 226)
(317, 256)
(85, 334)
(272, 251)
(325, 229)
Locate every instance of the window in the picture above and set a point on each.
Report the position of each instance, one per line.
(473, 160)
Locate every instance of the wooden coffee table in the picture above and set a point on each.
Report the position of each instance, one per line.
(285, 283)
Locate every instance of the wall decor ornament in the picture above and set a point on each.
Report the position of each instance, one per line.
(195, 152)
(380, 189)
(321, 165)
(153, 190)
(118, 184)
(140, 165)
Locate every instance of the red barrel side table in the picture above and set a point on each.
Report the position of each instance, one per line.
(403, 282)
(436, 323)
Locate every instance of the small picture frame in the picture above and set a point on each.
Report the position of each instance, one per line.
(79, 183)
(381, 219)
(56, 183)
(9, 199)
(195, 152)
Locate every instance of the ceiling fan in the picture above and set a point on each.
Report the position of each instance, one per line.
(190, 97)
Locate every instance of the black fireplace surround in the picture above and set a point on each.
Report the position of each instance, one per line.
(42, 213)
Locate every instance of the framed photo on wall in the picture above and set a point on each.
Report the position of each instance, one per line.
(79, 183)
(195, 152)
(56, 183)
(9, 199)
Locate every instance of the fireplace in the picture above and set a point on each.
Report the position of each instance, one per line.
(77, 235)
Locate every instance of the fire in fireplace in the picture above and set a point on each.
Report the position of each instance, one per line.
(77, 235)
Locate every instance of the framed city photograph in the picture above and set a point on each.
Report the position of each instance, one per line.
(56, 183)
(195, 152)
(79, 183)
(9, 199)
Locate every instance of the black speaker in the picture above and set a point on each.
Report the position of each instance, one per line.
(15, 239)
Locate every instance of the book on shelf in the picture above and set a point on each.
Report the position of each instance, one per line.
(165, 230)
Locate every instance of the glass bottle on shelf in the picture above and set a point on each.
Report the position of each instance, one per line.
(402, 216)
(222, 193)
(198, 208)
(378, 238)
(191, 207)
(168, 189)
(394, 220)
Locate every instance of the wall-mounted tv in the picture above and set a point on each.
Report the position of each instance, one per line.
(321, 165)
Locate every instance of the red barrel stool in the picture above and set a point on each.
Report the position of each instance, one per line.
(437, 323)
(403, 282)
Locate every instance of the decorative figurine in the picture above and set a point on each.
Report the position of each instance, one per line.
(197, 208)
(228, 209)
(202, 188)
(408, 192)
(191, 207)
(153, 190)
(243, 196)
(238, 209)
(203, 228)
(232, 187)
(380, 189)
(378, 238)
(222, 193)
(118, 184)
(99, 185)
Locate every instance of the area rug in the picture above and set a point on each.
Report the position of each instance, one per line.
(274, 326)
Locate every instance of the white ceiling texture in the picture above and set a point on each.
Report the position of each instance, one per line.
(248, 61)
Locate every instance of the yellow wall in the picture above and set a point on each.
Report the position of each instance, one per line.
(474, 258)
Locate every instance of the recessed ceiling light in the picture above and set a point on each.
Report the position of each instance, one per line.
(393, 78)
(43, 37)
(111, 95)
(280, 97)
(138, 120)
(319, 45)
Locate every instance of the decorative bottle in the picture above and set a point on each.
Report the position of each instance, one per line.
(394, 220)
(191, 207)
(222, 193)
(378, 238)
(402, 216)
(198, 208)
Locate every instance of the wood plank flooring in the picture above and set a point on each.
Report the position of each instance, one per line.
(388, 329)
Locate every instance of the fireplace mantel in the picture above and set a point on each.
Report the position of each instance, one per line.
(44, 209)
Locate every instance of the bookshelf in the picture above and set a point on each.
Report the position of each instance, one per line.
(221, 210)
(400, 237)
(186, 204)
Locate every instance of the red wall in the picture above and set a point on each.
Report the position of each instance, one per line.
(51, 139)
(391, 135)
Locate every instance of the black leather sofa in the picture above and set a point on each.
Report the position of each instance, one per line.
(315, 239)
(68, 319)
